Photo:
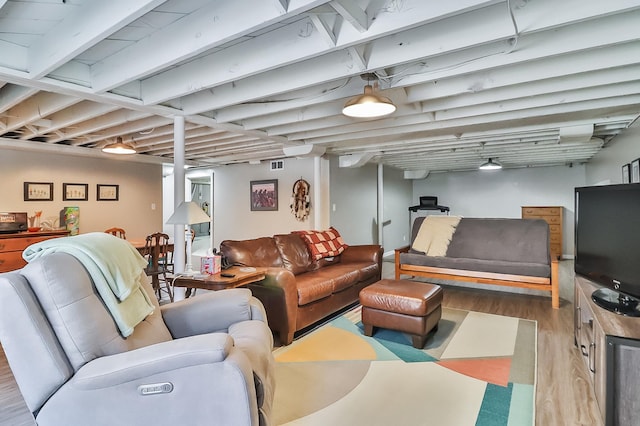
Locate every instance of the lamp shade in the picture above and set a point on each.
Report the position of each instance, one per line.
(490, 165)
(368, 105)
(188, 213)
(119, 148)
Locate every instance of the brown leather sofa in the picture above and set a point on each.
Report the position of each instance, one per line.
(299, 290)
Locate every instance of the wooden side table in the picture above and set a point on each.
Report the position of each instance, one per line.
(242, 276)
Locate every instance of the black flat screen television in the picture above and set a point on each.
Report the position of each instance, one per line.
(607, 244)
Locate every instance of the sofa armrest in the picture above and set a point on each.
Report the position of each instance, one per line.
(404, 249)
(114, 370)
(208, 313)
(205, 373)
(360, 253)
(278, 292)
(398, 251)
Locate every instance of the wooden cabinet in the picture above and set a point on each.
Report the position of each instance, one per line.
(610, 346)
(12, 246)
(553, 216)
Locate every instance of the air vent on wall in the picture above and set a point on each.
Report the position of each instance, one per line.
(277, 165)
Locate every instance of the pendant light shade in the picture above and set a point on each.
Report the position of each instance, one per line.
(368, 105)
(119, 148)
(491, 165)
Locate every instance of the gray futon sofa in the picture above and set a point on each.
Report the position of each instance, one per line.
(511, 252)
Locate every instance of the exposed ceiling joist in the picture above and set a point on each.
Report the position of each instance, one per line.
(469, 78)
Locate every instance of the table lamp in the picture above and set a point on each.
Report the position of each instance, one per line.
(188, 213)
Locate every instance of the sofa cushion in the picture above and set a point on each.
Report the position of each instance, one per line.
(321, 244)
(343, 276)
(365, 270)
(479, 265)
(257, 252)
(510, 240)
(313, 286)
(294, 252)
(68, 298)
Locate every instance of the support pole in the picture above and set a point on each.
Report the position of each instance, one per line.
(178, 192)
(380, 204)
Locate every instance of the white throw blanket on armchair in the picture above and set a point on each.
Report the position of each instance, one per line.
(116, 268)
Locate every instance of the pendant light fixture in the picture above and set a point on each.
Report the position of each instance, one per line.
(370, 104)
(490, 165)
(119, 148)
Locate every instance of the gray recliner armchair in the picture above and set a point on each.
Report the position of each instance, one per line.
(202, 361)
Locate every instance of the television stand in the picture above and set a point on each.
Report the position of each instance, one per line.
(616, 302)
(610, 346)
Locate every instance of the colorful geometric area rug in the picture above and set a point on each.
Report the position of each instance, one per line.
(477, 369)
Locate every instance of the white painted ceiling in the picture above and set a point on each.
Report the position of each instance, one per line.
(472, 79)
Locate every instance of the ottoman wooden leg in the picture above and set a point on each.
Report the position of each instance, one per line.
(368, 330)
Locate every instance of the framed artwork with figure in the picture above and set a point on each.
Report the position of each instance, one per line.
(108, 192)
(75, 192)
(38, 191)
(635, 171)
(264, 195)
(626, 173)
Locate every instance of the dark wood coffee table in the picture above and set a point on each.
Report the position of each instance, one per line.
(218, 282)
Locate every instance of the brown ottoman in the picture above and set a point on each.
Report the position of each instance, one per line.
(408, 306)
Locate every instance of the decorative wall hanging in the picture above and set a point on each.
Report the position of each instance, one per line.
(300, 205)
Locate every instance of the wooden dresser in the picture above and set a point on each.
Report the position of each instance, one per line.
(553, 216)
(12, 246)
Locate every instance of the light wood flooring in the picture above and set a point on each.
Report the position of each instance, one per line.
(563, 394)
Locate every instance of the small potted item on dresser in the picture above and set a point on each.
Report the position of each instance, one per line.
(34, 222)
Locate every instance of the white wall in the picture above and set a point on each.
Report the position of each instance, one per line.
(502, 193)
(354, 193)
(606, 166)
(140, 187)
(354, 202)
(397, 200)
(233, 218)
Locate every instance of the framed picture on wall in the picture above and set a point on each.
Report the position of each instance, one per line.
(38, 191)
(635, 170)
(626, 173)
(108, 192)
(264, 195)
(75, 191)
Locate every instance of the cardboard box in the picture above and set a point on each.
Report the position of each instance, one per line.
(210, 265)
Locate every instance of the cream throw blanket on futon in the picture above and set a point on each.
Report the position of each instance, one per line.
(435, 235)
(116, 268)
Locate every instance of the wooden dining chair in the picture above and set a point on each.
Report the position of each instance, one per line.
(118, 232)
(158, 255)
(169, 260)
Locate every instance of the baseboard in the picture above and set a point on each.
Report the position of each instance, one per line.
(389, 254)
